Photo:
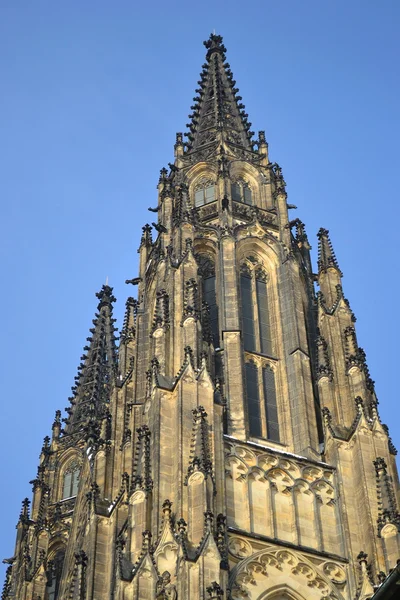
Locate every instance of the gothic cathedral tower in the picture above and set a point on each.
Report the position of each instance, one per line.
(230, 446)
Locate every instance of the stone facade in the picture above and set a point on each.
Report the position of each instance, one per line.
(230, 446)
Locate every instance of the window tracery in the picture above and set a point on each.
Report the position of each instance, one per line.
(262, 407)
(71, 480)
(241, 191)
(257, 335)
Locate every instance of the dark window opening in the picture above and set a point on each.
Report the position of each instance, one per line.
(241, 192)
(253, 400)
(71, 483)
(204, 195)
(249, 339)
(271, 409)
(54, 576)
(263, 317)
(210, 296)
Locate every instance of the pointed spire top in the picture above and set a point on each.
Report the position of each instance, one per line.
(218, 115)
(214, 44)
(105, 296)
(97, 370)
(326, 255)
(128, 328)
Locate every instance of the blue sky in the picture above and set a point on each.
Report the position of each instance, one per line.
(92, 96)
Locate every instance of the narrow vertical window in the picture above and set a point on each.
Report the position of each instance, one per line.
(247, 313)
(241, 192)
(67, 485)
(253, 400)
(261, 393)
(263, 316)
(210, 319)
(71, 482)
(247, 195)
(54, 576)
(210, 296)
(75, 482)
(271, 409)
(236, 192)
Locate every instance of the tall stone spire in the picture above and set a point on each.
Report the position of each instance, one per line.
(97, 370)
(194, 463)
(218, 113)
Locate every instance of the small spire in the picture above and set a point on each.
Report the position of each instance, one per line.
(97, 371)
(24, 514)
(129, 327)
(326, 255)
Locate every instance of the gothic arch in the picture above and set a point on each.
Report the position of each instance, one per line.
(266, 254)
(69, 461)
(273, 571)
(205, 246)
(264, 259)
(199, 173)
(199, 170)
(241, 170)
(281, 592)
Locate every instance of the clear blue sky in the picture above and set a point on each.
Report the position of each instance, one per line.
(92, 94)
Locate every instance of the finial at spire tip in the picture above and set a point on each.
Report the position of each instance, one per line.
(214, 44)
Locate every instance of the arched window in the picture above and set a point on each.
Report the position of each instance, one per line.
(209, 294)
(54, 573)
(262, 407)
(246, 292)
(204, 193)
(255, 312)
(241, 192)
(71, 481)
(261, 398)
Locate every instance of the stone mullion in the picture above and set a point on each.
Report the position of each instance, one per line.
(255, 313)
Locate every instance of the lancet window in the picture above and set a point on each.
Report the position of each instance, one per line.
(255, 311)
(54, 572)
(241, 192)
(209, 296)
(71, 480)
(262, 409)
(204, 192)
